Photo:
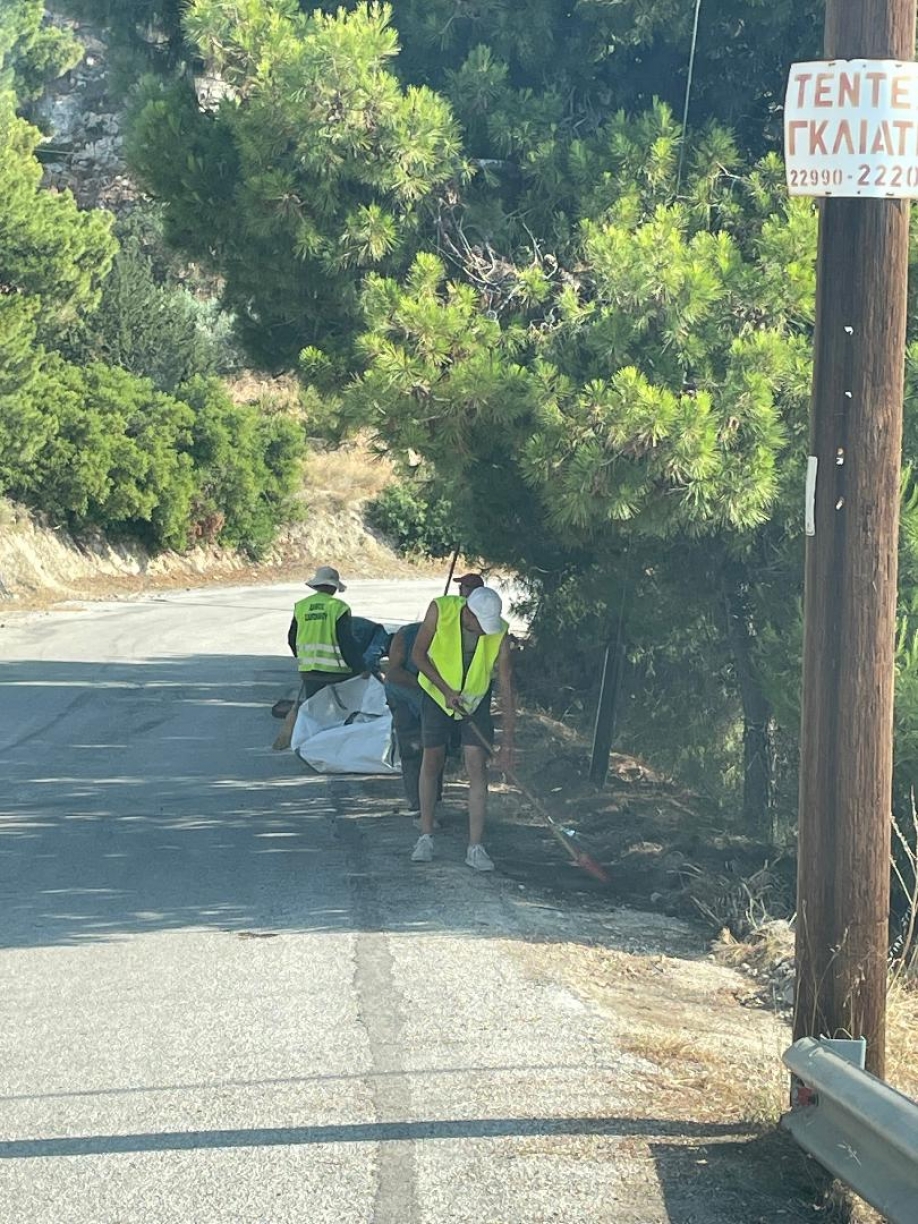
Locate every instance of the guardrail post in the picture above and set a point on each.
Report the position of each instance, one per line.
(861, 1130)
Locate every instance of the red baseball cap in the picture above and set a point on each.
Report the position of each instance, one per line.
(472, 581)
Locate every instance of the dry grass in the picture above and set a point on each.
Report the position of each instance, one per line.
(272, 394)
(901, 1033)
(743, 905)
(341, 478)
(686, 1065)
(346, 477)
(770, 945)
(668, 1048)
(684, 1024)
(902, 1001)
(770, 948)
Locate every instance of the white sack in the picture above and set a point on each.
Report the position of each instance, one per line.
(346, 728)
(362, 748)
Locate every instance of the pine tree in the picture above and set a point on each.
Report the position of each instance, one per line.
(149, 328)
(649, 396)
(32, 51)
(316, 167)
(94, 445)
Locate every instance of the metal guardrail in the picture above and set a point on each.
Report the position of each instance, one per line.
(864, 1132)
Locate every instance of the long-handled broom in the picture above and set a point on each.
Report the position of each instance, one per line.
(579, 857)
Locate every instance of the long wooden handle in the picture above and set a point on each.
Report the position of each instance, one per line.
(579, 857)
(286, 732)
(543, 812)
(452, 569)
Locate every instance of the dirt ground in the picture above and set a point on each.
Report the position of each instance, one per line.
(700, 1047)
(666, 854)
(662, 847)
(698, 969)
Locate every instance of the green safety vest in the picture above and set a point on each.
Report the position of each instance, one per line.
(316, 635)
(445, 653)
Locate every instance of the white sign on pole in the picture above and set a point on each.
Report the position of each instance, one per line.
(851, 128)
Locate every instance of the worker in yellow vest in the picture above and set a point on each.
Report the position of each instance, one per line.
(403, 697)
(461, 645)
(320, 635)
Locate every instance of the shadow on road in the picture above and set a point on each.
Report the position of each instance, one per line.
(145, 797)
(712, 1173)
(367, 1132)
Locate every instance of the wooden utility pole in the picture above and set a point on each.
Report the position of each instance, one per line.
(851, 570)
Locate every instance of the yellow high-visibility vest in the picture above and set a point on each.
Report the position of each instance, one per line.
(316, 634)
(445, 652)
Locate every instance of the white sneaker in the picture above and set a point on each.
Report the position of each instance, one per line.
(479, 859)
(423, 850)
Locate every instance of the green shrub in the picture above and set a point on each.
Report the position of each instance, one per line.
(156, 330)
(115, 453)
(114, 456)
(247, 466)
(414, 519)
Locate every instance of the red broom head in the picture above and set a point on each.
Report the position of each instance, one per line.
(591, 867)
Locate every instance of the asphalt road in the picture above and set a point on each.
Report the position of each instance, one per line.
(225, 993)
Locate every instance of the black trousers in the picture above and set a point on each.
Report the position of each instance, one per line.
(408, 736)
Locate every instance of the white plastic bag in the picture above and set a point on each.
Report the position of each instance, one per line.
(346, 728)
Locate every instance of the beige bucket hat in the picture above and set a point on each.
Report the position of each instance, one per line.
(326, 575)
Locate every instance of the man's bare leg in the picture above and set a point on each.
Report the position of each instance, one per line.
(429, 786)
(476, 767)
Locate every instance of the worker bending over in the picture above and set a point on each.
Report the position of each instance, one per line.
(403, 697)
(459, 647)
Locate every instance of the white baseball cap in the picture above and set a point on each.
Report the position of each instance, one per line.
(326, 575)
(486, 605)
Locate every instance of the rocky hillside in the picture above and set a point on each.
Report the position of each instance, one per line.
(40, 565)
(83, 152)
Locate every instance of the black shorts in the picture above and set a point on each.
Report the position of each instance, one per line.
(439, 730)
(407, 724)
